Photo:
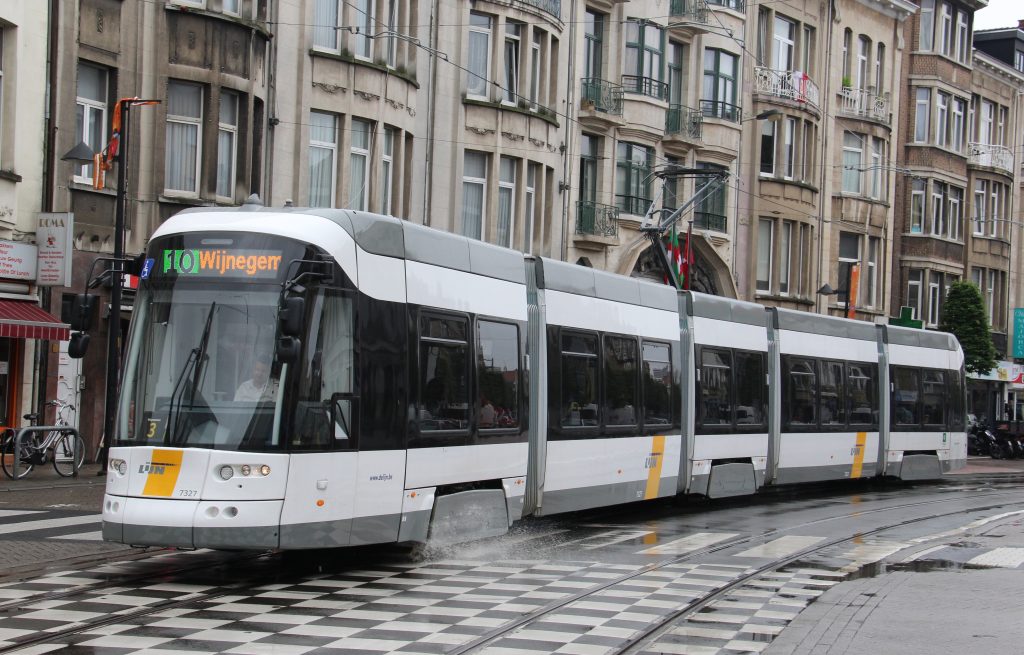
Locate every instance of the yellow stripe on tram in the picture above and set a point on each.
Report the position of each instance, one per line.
(654, 462)
(164, 468)
(858, 457)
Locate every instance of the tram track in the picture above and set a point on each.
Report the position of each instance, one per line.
(180, 574)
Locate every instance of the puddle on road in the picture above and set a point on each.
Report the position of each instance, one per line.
(875, 569)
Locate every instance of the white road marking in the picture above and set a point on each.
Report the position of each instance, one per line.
(1009, 558)
(82, 536)
(688, 544)
(4, 513)
(45, 524)
(781, 547)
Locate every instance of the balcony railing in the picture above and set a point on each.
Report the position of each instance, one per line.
(596, 219)
(718, 109)
(792, 85)
(684, 121)
(647, 86)
(688, 11)
(553, 7)
(983, 154)
(861, 102)
(737, 5)
(708, 221)
(605, 96)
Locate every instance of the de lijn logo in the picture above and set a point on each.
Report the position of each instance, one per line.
(199, 261)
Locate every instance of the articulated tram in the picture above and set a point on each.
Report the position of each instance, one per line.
(306, 378)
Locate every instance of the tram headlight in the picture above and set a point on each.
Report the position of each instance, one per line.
(226, 472)
(119, 465)
(246, 470)
(264, 470)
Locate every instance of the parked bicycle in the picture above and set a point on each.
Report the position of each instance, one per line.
(36, 448)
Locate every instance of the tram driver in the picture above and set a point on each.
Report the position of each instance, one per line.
(260, 386)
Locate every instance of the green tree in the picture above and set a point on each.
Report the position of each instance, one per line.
(963, 315)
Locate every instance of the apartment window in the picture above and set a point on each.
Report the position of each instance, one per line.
(506, 200)
(1018, 60)
(917, 205)
(676, 73)
(987, 123)
(323, 158)
(783, 44)
(849, 256)
(807, 49)
(941, 119)
(934, 298)
(91, 112)
(479, 55)
(876, 166)
(847, 44)
(474, 185)
(513, 48)
(632, 177)
(785, 251)
(393, 28)
(880, 68)
(768, 130)
(325, 24)
(709, 213)
(227, 144)
(957, 126)
(593, 44)
(914, 279)
(853, 154)
(184, 120)
(529, 206)
(980, 196)
(963, 38)
(787, 148)
(1001, 125)
(996, 210)
(807, 158)
(938, 209)
(359, 165)
(927, 24)
(387, 170)
(719, 93)
(590, 151)
(644, 47)
(764, 254)
(871, 275)
(362, 44)
(230, 7)
(955, 216)
(863, 59)
(535, 69)
(990, 295)
(921, 115)
(945, 44)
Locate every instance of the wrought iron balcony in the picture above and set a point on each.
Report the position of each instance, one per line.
(792, 85)
(709, 221)
(684, 121)
(647, 86)
(553, 7)
(864, 103)
(718, 109)
(604, 95)
(983, 154)
(688, 11)
(596, 219)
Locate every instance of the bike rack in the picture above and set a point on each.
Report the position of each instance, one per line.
(46, 428)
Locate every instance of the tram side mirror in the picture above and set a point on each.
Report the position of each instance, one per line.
(293, 310)
(83, 309)
(287, 350)
(78, 345)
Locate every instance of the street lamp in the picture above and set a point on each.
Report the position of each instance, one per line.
(81, 154)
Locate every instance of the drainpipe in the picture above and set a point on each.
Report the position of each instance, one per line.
(431, 113)
(569, 131)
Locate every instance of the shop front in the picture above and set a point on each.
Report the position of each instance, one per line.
(23, 323)
(998, 394)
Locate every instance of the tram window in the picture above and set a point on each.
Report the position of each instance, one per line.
(799, 392)
(906, 397)
(657, 375)
(956, 398)
(497, 369)
(933, 397)
(579, 380)
(715, 383)
(750, 382)
(444, 374)
(831, 395)
(862, 391)
(620, 380)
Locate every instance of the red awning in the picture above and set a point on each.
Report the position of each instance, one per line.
(22, 319)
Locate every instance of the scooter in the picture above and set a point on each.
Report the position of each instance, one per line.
(982, 441)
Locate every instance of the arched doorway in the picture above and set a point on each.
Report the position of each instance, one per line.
(706, 278)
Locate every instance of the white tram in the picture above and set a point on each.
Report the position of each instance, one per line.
(304, 378)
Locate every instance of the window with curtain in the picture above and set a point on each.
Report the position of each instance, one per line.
(788, 154)
(184, 120)
(506, 200)
(227, 144)
(474, 184)
(677, 60)
(914, 281)
(387, 170)
(963, 38)
(853, 156)
(643, 66)
(938, 209)
(917, 205)
(785, 252)
(980, 195)
(478, 64)
(323, 158)
(513, 52)
(927, 29)
(90, 112)
(230, 6)
(719, 94)
(783, 44)
(877, 164)
(633, 177)
(921, 112)
(941, 118)
(880, 68)
(593, 40)
(359, 165)
(764, 254)
(863, 57)
(325, 24)
(362, 43)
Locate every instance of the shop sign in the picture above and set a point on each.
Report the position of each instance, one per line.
(54, 239)
(1018, 332)
(17, 260)
(1003, 372)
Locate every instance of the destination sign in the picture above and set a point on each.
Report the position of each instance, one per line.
(220, 263)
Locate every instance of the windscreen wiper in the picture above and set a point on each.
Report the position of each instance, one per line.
(171, 436)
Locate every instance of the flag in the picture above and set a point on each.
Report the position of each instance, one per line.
(686, 261)
(670, 251)
(677, 255)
